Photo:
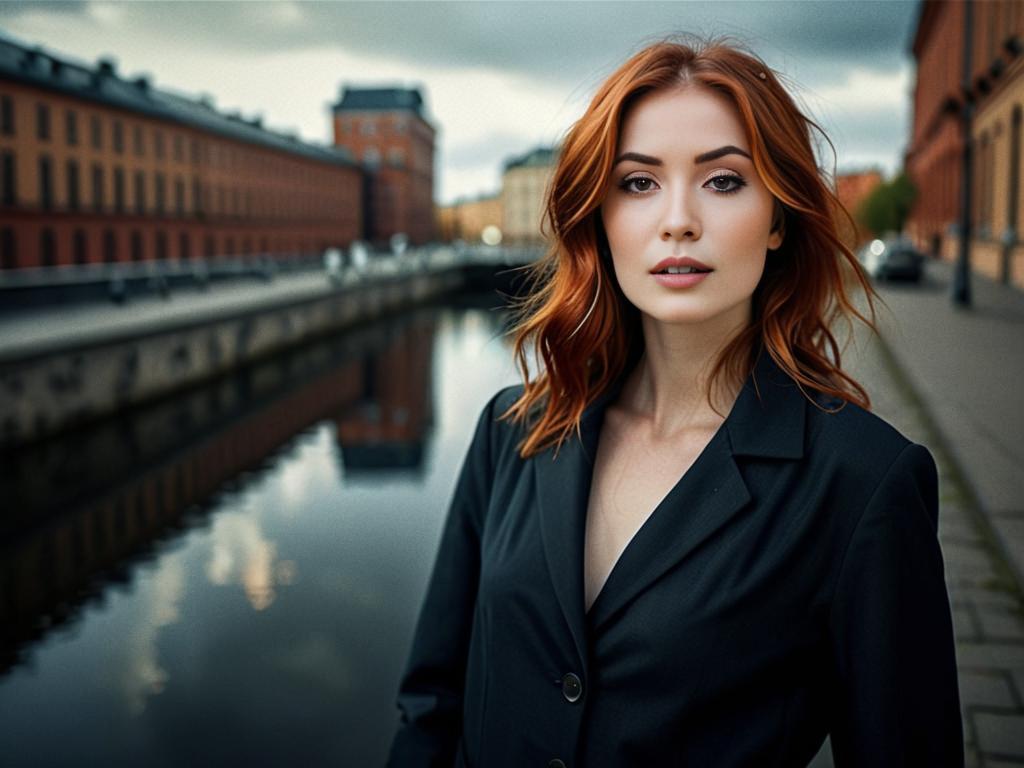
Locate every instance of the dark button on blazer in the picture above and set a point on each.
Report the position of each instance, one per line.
(789, 586)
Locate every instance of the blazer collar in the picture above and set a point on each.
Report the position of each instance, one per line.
(766, 420)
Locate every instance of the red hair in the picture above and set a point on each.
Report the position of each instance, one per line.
(577, 320)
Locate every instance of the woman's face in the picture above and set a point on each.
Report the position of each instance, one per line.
(684, 197)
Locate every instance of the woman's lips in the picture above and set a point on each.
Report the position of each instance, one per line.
(680, 272)
(684, 280)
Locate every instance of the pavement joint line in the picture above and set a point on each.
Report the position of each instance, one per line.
(974, 510)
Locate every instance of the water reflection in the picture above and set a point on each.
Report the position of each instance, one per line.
(251, 553)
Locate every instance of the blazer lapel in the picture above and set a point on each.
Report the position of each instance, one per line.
(767, 419)
(563, 490)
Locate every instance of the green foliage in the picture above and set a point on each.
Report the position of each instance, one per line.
(886, 209)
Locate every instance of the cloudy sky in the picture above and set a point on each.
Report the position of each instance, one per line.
(499, 78)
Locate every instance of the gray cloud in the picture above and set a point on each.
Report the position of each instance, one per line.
(568, 42)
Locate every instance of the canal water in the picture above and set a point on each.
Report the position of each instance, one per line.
(232, 577)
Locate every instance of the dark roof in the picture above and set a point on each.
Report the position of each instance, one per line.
(385, 99)
(102, 84)
(535, 157)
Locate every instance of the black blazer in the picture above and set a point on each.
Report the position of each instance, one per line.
(789, 586)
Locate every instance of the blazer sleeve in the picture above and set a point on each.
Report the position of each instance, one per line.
(897, 701)
(431, 688)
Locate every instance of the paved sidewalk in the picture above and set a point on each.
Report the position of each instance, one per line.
(968, 368)
(950, 379)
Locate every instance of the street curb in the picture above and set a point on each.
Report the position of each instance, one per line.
(977, 511)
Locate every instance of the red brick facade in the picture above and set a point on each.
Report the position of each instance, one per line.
(386, 132)
(935, 156)
(86, 180)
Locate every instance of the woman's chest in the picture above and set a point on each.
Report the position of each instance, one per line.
(705, 583)
(633, 473)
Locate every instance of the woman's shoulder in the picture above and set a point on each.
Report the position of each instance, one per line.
(848, 434)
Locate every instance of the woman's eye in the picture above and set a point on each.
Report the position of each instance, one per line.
(638, 184)
(727, 183)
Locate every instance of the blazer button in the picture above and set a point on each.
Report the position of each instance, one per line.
(556, 763)
(572, 688)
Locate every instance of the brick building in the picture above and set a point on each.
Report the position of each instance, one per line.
(852, 189)
(934, 158)
(98, 168)
(386, 129)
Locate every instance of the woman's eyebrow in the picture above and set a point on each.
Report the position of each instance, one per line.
(705, 157)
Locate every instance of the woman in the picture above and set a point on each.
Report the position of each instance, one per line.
(686, 542)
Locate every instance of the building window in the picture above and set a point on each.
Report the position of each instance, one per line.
(229, 246)
(367, 127)
(179, 148)
(1014, 189)
(9, 193)
(80, 247)
(8, 247)
(396, 157)
(96, 126)
(43, 122)
(118, 139)
(159, 198)
(140, 146)
(45, 183)
(179, 197)
(72, 178)
(48, 247)
(72, 128)
(184, 246)
(140, 192)
(161, 246)
(371, 156)
(197, 197)
(158, 144)
(119, 190)
(195, 151)
(7, 115)
(137, 250)
(209, 247)
(97, 188)
(109, 246)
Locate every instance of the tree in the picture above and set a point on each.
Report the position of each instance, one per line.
(887, 207)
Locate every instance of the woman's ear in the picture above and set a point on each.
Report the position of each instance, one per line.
(778, 230)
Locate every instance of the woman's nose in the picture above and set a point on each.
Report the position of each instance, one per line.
(680, 220)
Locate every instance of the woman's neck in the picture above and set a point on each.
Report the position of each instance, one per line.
(669, 385)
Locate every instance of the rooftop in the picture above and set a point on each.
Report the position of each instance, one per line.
(102, 84)
(384, 99)
(540, 156)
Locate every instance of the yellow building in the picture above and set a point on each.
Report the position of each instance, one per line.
(467, 219)
(997, 249)
(935, 157)
(524, 184)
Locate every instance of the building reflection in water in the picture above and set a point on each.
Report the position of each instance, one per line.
(83, 512)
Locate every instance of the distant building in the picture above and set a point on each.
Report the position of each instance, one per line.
(98, 168)
(467, 219)
(934, 158)
(524, 185)
(387, 131)
(852, 189)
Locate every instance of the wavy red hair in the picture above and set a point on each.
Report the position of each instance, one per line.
(583, 331)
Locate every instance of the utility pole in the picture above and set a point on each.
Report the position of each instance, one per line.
(962, 269)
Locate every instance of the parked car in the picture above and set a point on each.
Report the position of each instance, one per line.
(893, 259)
